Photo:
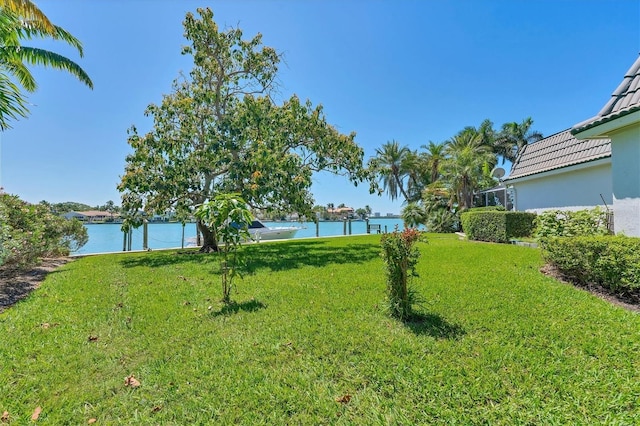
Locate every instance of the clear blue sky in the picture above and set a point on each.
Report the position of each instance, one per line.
(412, 71)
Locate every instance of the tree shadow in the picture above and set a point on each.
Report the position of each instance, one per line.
(155, 259)
(235, 307)
(276, 256)
(292, 255)
(433, 325)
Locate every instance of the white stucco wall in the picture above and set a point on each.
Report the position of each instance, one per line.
(571, 188)
(625, 153)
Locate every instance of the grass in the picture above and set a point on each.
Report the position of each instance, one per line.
(308, 341)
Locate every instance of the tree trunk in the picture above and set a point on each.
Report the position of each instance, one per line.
(209, 240)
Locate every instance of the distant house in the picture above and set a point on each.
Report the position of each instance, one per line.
(342, 212)
(619, 121)
(91, 216)
(561, 172)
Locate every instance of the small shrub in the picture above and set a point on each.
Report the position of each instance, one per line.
(400, 257)
(565, 223)
(611, 261)
(229, 217)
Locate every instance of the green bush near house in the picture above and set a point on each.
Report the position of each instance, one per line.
(611, 261)
(497, 226)
(565, 223)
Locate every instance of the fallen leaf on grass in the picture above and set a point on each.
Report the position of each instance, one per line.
(156, 408)
(131, 381)
(92, 421)
(46, 325)
(344, 399)
(36, 413)
(5, 417)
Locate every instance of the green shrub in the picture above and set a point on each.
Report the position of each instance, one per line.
(497, 226)
(30, 232)
(611, 261)
(487, 209)
(564, 223)
(442, 221)
(400, 258)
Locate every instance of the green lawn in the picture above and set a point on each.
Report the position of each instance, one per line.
(308, 341)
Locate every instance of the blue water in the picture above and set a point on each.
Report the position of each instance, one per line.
(105, 238)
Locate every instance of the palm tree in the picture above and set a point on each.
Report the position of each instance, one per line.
(417, 169)
(435, 155)
(413, 215)
(21, 20)
(390, 163)
(514, 137)
(467, 159)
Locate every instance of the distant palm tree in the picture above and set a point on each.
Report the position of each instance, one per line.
(21, 20)
(514, 137)
(390, 163)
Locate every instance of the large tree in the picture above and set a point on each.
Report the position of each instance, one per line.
(219, 131)
(21, 20)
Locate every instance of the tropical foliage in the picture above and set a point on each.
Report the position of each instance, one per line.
(20, 21)
(219, 131)
(444, 178)
(29, 232)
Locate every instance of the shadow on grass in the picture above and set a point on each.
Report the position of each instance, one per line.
(292, 255)
(433, 325)
(168, 257)
(270, 256)
(235, 307)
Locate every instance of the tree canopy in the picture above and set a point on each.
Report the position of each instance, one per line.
(220, 131)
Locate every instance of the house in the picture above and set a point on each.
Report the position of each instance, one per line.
(595, 163)
(346, 212)
(91, 216)
(619, 121)
(561, 172)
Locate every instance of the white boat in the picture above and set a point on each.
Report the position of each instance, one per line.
(259, 231)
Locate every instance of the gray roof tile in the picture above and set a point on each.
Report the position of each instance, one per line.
(624, 100)
(557, 151)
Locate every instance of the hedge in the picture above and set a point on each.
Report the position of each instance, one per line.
(611, 261)
(497, 226)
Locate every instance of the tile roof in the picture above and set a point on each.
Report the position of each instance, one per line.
(558, 151)
(624, 100)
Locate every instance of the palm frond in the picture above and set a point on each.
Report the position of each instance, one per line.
(11, 61)
(12, 103)
(27, 10)
(35, 29)
(35, 56)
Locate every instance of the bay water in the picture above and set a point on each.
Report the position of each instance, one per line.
(108, 237)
